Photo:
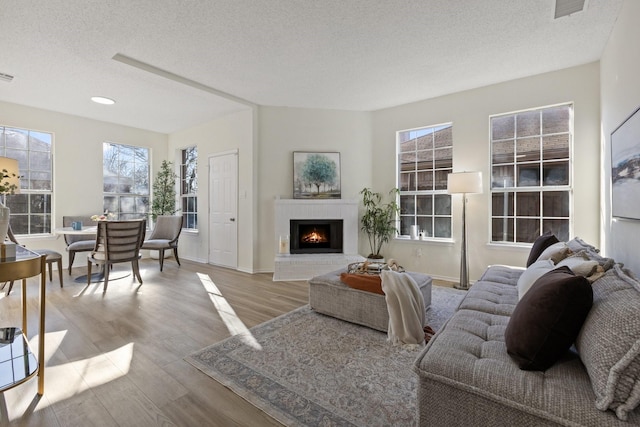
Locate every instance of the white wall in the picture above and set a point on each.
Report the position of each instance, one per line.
(366, 143)
(232, 132)
(469, 111)
(620, 87)
(281, 131)
(77, 160)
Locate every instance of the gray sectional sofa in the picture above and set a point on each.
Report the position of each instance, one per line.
(467, 378)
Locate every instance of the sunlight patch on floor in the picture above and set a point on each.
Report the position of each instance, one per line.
(105, 367)
(65, 380)
(227, 314)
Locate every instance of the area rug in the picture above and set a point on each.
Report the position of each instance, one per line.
(307, 369)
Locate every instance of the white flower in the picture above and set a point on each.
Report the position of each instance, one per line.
(103, 217)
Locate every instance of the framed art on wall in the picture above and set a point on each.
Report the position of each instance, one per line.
(316, 175)
(625, 168)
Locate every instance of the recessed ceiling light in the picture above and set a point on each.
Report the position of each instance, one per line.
(103, 100)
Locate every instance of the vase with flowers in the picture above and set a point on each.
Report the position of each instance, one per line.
(9, 184)
(106, 216)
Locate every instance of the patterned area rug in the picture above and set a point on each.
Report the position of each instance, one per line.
(307, 369)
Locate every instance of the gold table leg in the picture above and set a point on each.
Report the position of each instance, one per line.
(41, 331)
(24, 307)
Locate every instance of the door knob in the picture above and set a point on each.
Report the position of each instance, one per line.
(232, 219)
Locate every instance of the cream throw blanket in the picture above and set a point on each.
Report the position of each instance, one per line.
(406, 309)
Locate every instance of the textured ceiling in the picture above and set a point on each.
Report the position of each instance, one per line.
(335, 54)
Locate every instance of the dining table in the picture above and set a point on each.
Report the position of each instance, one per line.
(86, 230)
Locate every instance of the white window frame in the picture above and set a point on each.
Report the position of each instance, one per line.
(187, 196)
(141, 196)
(513, 187)
(22, 204)
(437, 192)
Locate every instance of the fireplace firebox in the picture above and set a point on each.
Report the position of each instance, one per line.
(312, 236)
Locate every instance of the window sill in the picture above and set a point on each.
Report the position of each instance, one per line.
(190, 231)
(427, 240)
(517, 246)
(44, 236)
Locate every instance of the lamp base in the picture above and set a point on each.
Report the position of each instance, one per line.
(461, 286)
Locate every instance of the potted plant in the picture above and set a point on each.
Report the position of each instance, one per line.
(164, 191)
(164, 196)
(379, 219)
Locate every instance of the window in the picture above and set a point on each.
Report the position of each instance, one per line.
(125, 171)
(425, 158)
(31, 209)
(189, 187)
(530, 174)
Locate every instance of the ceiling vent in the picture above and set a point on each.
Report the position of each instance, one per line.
(568, 7)
(6, 77)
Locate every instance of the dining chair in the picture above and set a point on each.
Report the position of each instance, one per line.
(51, 257)
(164, 236)
(117, 241)
(78, 243)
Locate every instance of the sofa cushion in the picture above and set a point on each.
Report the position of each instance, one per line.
(579, 264)
(533, 273)
(556, 252)
(547, 319)
(495, 292)
(577, 244)
(609, 342)
(364, 282)
(541, 243)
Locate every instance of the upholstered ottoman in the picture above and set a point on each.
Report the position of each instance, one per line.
(328, 295)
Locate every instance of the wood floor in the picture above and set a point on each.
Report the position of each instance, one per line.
(116, 358)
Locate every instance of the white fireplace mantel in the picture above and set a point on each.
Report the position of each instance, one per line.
(305, 266)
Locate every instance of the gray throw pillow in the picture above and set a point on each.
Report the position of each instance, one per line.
(580, 265)
(609, 342)
(533, 273)
(556, 252)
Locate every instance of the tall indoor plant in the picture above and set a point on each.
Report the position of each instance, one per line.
(378, 219)
(164, 191)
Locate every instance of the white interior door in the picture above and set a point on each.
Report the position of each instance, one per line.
(223, 210)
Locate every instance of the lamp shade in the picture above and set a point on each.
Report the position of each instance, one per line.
(464, 182)
(11, 166)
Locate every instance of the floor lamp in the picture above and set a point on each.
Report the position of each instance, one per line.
(464, 183)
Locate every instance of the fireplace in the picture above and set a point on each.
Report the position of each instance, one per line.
(303, 266)
(313, 236)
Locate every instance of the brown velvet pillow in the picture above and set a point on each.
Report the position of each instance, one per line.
(363, 282)
(541, 243)
(548, 318)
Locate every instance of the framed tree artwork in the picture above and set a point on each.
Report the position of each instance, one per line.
(625, 168)
(316, 175)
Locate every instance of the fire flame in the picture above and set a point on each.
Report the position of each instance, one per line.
(314, 237)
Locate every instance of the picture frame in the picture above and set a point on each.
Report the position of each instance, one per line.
(316, 175)
(625, 168)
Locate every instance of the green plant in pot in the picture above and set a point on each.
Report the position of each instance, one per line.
(164, 191)
(379, 219)
(164, 196)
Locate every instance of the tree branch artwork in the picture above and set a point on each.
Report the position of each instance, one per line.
(316, 175)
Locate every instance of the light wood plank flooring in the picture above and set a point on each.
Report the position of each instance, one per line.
(116, 358)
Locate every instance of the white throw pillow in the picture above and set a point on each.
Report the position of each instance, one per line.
(533, 273)
(579, 265)
(556, 252)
